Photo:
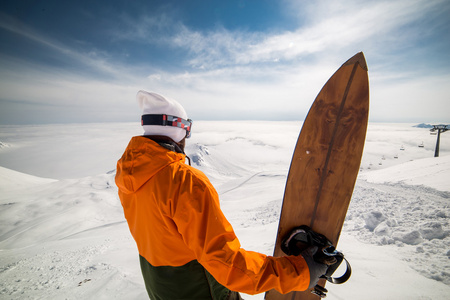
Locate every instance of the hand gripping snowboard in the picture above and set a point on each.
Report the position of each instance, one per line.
(326, 160)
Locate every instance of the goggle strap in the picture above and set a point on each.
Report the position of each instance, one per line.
(166, 120)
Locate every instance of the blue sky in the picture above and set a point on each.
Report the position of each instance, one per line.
(84, 61)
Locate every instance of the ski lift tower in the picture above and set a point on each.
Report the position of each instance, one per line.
(439, 129)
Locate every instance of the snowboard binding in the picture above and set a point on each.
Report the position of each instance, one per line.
(303, 237)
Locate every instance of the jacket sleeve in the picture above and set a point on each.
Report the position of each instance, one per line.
(205, 230)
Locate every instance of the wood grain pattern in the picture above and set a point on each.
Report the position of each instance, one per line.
(326, 159)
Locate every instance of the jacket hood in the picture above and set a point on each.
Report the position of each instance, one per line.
(142, 159)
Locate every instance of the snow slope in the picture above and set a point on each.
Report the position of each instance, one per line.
(66, 238)
(430, 172)
(11, 180)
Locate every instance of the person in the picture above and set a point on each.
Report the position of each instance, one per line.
(187, 248)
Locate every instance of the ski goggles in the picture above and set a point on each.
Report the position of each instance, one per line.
(168, 120)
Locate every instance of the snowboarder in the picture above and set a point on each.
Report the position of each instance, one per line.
(187, 248)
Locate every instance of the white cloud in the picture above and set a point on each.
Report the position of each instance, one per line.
(238, 66)
(332, 26)
(144, 28)
(424, 99)
(93, 59)
(237, 74)
(34, 94)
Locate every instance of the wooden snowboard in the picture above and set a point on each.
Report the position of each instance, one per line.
(326, 160)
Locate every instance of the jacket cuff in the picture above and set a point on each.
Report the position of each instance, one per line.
(302, 270)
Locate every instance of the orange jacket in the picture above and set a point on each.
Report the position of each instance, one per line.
(174, 215)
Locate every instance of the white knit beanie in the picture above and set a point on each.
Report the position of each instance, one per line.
(152, 103)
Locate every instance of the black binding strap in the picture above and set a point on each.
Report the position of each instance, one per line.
(302, 237)
(343, 278)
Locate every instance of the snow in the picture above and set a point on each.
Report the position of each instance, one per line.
(12, 180)
(63, 234)
(426, 171)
